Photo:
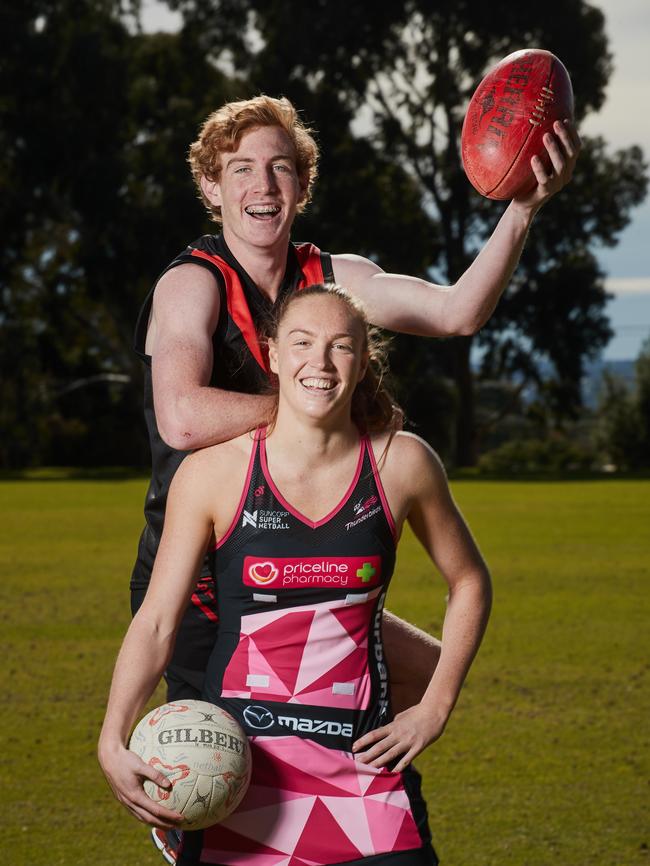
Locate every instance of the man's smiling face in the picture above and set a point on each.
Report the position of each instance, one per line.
(259, 189)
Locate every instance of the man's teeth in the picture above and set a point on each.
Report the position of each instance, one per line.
(320, 384)
(263, 210)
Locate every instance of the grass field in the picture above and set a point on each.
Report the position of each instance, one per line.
(545, 758)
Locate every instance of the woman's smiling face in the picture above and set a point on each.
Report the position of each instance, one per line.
(319, 355)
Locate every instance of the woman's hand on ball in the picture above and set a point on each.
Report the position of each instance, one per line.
(563, 148)
(126, 773)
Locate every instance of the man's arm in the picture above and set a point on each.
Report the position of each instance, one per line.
(414, 306)
(190, 413)
(412, 656)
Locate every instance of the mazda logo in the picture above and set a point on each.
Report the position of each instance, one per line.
(258, 717)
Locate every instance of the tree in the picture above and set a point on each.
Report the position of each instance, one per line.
(624, 416)
(95, 123)
(403, 74)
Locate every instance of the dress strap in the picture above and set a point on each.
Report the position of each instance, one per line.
(242, 499)
(380, 486)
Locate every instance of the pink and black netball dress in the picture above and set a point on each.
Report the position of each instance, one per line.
(299, 661)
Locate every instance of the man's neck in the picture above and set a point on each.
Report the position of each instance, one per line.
(264, 265)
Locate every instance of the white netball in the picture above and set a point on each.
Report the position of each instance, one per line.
(205, 754)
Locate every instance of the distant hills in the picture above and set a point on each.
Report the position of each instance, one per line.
(592, 381)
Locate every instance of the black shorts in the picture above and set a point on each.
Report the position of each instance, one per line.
(194, 642)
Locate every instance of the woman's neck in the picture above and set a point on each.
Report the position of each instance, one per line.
(306, 442)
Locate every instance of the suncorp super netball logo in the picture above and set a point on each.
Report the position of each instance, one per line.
(336, 572)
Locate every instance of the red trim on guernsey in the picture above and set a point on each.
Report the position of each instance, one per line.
(382, 494)
(196, 601)
(244, 493)
(311, 266)
(310, 263)
(311, 523)
(238, 307)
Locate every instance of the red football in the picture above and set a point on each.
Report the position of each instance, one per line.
(511, 109)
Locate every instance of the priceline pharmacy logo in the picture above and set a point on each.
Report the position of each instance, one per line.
(355, 572)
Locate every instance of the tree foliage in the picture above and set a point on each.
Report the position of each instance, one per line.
(95, 122)
(404, 74)
(624, 416)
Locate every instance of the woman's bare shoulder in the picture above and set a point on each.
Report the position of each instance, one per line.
(409, 467)
(404, 449)
(222, 464)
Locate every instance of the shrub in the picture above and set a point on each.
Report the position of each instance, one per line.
(554, 454)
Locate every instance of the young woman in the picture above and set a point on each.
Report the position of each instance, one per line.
(304, 518)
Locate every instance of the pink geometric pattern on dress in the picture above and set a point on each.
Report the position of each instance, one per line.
(234, 848)
(251, 659)
(289, 768)
(279, 826)
(233, 841)
(322, 835)
(383, 784)
(346, 671)
(407, 835)
(260, 796)
(353, 820)
(326, 820)
(284, 640)
(258, 665)
(235, 673)
(284, 648)
(328, 645)
(324, 697)
(384, 829)
(303, 652)
(356, 627)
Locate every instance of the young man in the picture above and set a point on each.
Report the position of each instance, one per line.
(254, 164)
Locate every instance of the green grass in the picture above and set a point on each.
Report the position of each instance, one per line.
(543, 762)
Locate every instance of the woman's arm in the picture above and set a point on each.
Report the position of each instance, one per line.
(440, 527)
(149, 642)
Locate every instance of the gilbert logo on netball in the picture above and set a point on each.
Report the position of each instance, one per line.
(295, 572)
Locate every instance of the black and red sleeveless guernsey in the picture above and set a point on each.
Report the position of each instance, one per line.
(299, 662)
(239, 362)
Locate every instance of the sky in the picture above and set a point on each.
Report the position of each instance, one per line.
(624, 120)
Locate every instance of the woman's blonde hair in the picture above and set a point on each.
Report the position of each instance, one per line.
(374, 409)
(224, 128)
